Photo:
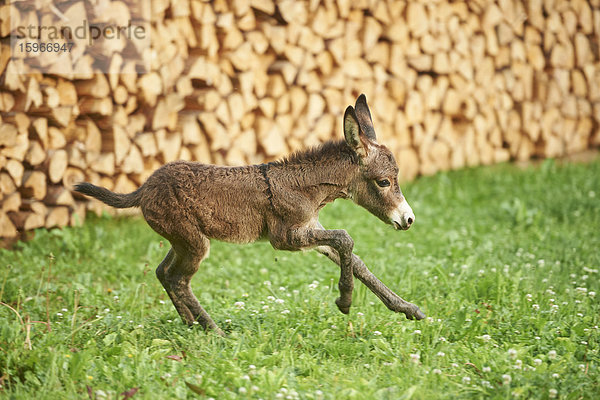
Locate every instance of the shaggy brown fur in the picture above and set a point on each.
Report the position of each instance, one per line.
(189, 203)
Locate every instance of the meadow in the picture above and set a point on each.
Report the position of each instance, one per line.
(503, 260)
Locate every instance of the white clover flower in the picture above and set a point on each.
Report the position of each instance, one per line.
(582, 290)
(518, 364)
(119, 317)
(270, 298)
(64, 310)
(282, 289)
(437, 371)
(506, 379)
(537, 361)
(592, 294)
(335, 327)
(265, 307)
(555, 376)
(286, 311)
(59, 314)
(239, 304)
(486, 338)
(535, 306)
(242, 390)
(552, 354)
(480, 273)
(512, 353)
(528, 296)
(417, 332)
(582, 367)
(280, 301)
(255, 388)
(454, 365)
(441, 354)
(376, 333)
(552, 393)
(486, 369)
(263, 271)
(245, 295)
(267, 283)
(466, 380)
(415, 358)
(360, 314)
(442, 339)
(580, 314)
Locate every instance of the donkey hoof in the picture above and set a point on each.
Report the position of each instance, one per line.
(415, 313)
(345, 309)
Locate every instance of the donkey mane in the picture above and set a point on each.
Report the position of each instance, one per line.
(334, 149)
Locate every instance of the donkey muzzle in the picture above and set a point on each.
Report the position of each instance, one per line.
(402, 217)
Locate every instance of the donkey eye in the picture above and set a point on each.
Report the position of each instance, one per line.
(383, 183)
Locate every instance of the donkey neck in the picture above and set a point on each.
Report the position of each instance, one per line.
(324, 172)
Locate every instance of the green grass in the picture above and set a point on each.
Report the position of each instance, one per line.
(504, 262)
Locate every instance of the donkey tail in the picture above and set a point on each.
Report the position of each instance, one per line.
(113, 199)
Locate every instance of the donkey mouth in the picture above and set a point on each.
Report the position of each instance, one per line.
(400, 227)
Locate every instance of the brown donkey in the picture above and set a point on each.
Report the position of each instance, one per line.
(189, 203)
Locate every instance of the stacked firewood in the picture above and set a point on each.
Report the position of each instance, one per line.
(449, 83)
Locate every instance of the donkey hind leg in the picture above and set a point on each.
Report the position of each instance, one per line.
(176, 279)
(161, 274)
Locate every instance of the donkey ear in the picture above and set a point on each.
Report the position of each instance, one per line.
(364, 117)
(352, 132)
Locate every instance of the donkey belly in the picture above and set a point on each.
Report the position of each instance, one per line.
(235, 224)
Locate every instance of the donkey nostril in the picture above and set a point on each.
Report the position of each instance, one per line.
(409, 220)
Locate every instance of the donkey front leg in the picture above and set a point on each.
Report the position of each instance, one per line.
(337, 239)
(386, 295)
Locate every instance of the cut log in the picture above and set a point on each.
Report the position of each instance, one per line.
(57, 217)
(34, 185)
(7, 228)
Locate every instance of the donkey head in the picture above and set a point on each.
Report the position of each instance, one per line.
(376, 186)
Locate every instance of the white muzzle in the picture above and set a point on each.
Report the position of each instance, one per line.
(402, 217)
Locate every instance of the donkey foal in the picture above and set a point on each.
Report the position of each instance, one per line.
(189, 203)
